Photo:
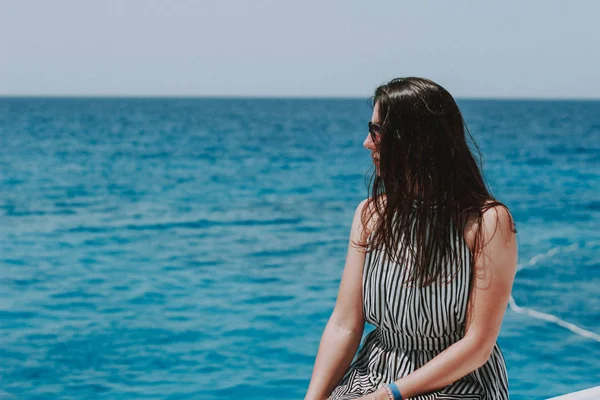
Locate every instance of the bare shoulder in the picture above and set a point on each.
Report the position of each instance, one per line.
(496, 219)
(365, 217)
(494, 269)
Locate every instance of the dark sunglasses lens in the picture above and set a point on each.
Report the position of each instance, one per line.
(374, 130)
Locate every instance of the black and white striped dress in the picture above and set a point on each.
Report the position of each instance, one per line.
(413, 325)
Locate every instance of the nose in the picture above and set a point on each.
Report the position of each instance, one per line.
(368, 143)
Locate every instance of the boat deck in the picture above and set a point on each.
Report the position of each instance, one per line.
(586, 394)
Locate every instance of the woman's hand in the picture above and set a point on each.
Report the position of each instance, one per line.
(379, 394)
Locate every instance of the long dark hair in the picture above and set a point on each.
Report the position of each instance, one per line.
(429, 182)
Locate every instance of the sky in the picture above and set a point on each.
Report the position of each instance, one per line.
(322, 48)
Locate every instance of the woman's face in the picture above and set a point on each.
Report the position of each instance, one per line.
(368, 143)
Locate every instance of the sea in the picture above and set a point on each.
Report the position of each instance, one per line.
(192, 248)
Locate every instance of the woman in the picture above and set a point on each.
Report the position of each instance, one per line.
(431, 263)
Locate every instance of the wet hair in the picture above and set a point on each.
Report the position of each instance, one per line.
(429, 182)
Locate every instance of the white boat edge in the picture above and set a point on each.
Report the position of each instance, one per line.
(586, 394)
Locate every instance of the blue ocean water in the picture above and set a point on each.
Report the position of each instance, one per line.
(192, 248)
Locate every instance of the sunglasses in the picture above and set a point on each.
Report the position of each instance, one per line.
(375, 131)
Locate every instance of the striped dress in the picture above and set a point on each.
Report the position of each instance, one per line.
(412, 326)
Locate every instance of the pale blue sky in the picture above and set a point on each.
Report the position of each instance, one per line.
(509, 48)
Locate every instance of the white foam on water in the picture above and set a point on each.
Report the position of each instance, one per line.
(549, 317)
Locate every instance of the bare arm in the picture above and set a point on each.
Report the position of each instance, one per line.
(497, 263)
(343, 332)
(336, 351)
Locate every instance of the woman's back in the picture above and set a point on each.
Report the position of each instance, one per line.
(413, 325)
(424, 317)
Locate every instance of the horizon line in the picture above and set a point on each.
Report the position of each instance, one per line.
(271, 97)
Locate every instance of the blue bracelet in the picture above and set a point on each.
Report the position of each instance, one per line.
(395, 391)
